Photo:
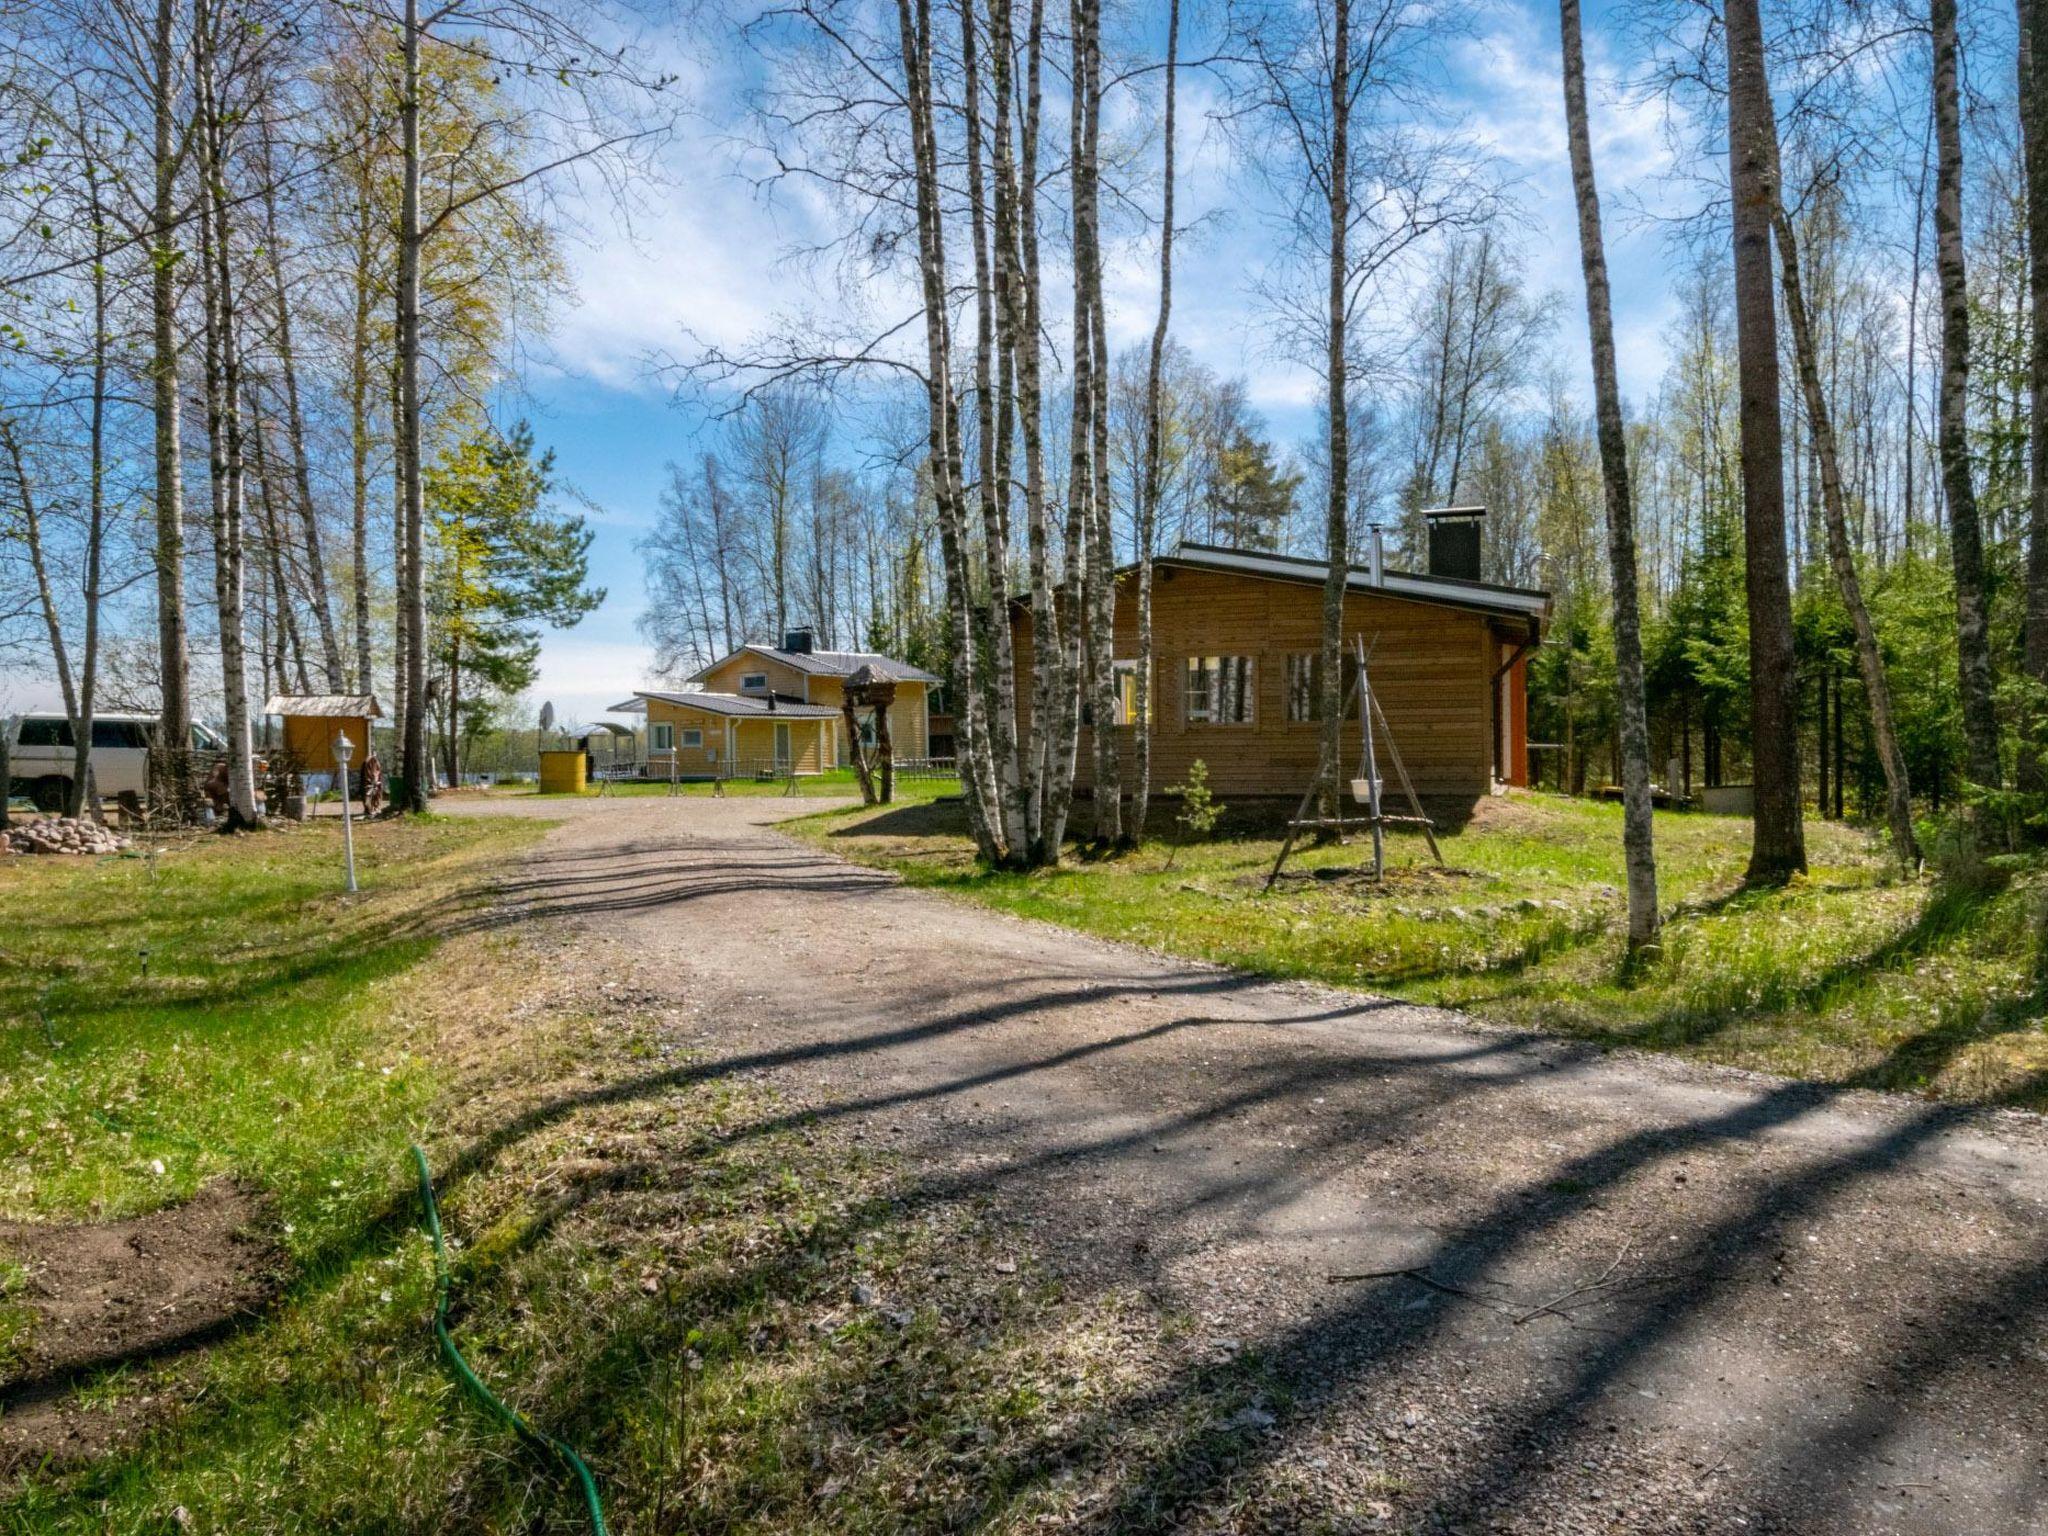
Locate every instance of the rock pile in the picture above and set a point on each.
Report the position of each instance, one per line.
(61, 834)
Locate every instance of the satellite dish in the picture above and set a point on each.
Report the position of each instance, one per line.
(547, 716)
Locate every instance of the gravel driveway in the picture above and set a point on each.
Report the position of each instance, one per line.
(1561, 1291)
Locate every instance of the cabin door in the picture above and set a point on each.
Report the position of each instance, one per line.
(782, 752)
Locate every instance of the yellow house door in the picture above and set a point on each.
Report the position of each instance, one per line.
(782, 752)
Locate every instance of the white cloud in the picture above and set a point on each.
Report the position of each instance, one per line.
(701, 263)
(584, 677)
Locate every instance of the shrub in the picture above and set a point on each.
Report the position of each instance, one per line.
(1199, 809)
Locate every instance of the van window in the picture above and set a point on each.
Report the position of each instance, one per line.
(45, 731)
(118, 733)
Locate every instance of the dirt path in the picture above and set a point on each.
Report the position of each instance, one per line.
(1594, 1293)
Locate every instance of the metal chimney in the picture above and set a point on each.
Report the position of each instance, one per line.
(1375, 556)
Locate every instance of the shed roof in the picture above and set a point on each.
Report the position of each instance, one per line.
(332, 706)
(741, 705)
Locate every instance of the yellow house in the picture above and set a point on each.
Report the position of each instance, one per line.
(796, 673)
(726, 735)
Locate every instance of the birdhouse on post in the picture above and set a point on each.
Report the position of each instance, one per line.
(870, 688)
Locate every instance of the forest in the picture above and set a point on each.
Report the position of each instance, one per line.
(271, 272)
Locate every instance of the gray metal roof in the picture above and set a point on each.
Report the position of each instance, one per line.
(830, 663)
(849, 662)
(742, 705)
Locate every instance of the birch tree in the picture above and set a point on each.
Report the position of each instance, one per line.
(1841, 556)
(218, 62)
(1152, 475)
(1637, 835)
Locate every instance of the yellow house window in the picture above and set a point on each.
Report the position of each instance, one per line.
(661, 736)
(753, 682)
(693, 739)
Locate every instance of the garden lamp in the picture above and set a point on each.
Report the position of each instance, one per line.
(344, 749)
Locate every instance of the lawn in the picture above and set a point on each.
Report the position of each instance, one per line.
(212, 1008)
(737, 1315)
(1850, 976)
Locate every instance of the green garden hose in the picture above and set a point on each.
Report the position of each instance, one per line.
(509, 1416)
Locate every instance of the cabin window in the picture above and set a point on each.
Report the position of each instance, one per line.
(1218, 690)
(1305, 686)
(693, 739)
(753, 682)
(1127, 693)
(661, 736)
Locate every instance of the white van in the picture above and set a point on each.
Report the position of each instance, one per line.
(42, 755)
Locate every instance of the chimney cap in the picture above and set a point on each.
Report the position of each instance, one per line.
(1477, 510)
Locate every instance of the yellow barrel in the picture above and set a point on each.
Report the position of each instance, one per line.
(562, 773)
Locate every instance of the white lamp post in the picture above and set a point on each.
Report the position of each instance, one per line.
(344, 749)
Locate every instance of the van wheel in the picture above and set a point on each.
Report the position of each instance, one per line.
(49, 793)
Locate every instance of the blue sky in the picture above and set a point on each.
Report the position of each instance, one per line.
(703, 261)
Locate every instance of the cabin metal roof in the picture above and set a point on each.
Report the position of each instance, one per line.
(1446, 591)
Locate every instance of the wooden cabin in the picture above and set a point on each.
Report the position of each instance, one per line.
(1237, 639)
(797, 673)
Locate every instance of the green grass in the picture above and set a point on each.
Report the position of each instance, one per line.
(211, 1010)
(746, 1322)
(1848, 976)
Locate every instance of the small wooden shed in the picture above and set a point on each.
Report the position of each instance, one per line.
(313, 720)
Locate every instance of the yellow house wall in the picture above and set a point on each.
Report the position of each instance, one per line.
(782, 678)
(690, 762)
(909, 721)
(810, 744)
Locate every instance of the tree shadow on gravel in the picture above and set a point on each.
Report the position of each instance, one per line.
(1179, 1457)
(1364, 1340)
